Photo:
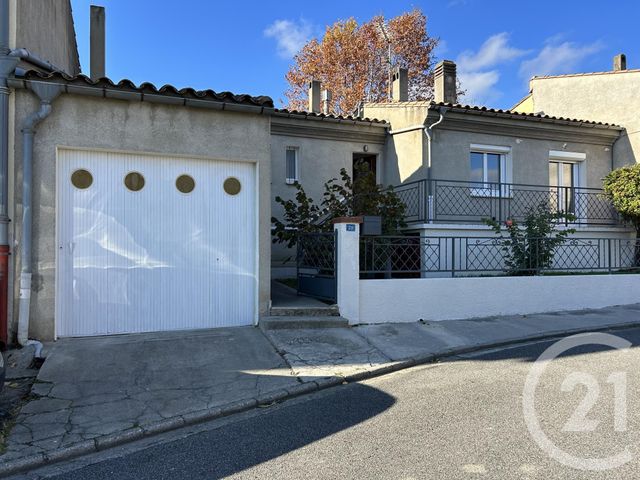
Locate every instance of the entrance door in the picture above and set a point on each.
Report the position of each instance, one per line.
(364, 163)
(149, 243)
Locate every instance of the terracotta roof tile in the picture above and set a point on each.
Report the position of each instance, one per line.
(149, 88)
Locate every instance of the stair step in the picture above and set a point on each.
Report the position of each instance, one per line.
(294, 322)
(328, 311)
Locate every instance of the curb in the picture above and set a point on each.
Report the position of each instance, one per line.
(104, 442)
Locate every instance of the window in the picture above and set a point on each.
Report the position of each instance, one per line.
(134, 181)
(81, 179)
(232, 186)
(489, 168)
(291, 167)
(185, 184)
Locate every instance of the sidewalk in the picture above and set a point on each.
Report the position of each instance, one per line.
(95, 393)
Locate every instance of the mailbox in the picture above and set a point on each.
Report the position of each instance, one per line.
(371, 225)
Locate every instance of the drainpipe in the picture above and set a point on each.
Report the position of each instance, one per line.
(46, 93)
(33, 59)
(428, 132)
(7, 66)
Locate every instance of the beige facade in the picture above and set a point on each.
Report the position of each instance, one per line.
(530, 143)
(612, 97)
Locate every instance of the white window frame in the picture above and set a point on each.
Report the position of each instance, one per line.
(288, 180)
(579, 174)
(506, 172)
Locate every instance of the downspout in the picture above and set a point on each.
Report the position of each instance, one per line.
(7, 66)
(46, 93)
(428, 133)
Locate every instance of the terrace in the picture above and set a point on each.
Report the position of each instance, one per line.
(463, 202)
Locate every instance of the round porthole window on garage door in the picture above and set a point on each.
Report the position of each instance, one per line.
(232, 186)
(134, 181)
(185, 183)
(81, 179)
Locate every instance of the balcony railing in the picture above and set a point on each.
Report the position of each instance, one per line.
(452, 201)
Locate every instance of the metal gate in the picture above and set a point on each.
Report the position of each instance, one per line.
(316, 265)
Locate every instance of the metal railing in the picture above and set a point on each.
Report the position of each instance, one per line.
(420, 256)
(452, 201)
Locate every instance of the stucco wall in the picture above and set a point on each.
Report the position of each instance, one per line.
(319, 160)
(608, 97)
(136, 127)
(433, 299)
(404, 151)
(530, 157)
(45, 27)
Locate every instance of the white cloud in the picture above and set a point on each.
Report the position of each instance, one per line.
(556, 58)
(477, 76)
(479, 86)
(289, 35)
(493, 51)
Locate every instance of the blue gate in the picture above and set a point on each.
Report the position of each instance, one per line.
(316, 265)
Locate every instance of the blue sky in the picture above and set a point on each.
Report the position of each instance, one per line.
(246, 47)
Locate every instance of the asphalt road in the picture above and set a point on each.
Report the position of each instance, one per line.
(458, 419)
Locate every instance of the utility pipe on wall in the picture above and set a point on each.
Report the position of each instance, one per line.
(46, 92)
(427, 132)
(7, 66)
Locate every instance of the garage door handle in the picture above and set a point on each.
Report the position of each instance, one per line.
(72, 247)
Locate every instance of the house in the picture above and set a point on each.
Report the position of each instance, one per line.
(130, 208)
(612, 96)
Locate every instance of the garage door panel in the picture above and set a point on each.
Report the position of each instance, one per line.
(154, 259)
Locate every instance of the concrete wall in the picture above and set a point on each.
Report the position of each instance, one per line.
(319, 160)
(89, 122)
(529, 156)
(410, 300)
(45, 28)
(405, 152)
(612, 97)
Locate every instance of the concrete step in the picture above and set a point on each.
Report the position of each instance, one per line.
(328, 311)
(294, 322)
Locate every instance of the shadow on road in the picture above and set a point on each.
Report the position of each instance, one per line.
(236, 446)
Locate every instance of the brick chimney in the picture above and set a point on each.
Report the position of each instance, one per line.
(314, 96)
(445, 84)
(400, 85)
(619, 62)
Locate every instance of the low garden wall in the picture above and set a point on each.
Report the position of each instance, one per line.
(435, 299)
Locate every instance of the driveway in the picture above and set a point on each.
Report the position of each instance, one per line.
(90, 387)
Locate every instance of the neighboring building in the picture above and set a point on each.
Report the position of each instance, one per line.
(612, 97)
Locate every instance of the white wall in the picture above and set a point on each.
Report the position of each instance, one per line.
(409, 300)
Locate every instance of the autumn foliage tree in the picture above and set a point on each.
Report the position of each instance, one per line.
(351, 61)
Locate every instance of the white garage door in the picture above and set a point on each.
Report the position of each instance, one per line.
(149, 243)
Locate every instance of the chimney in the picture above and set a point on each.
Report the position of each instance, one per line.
(400, 85)
(326, 99)
(314, 96)
(445, 82)
(97, 43)
(619, 62)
